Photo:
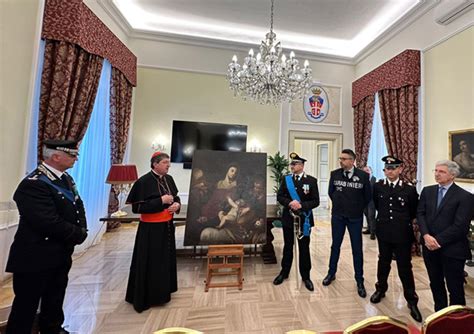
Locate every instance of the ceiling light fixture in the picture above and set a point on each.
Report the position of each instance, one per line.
(269, 78)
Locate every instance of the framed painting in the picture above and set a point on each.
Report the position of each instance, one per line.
(227, 199)
(461, 151)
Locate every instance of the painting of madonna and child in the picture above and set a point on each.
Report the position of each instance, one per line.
(227, 199)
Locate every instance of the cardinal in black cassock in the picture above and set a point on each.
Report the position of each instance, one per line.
(153, 275)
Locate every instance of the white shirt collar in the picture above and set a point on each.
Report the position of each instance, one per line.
(56, 172)
(394, 182)
(446, 187)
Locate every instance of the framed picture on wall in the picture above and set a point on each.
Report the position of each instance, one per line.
(321, 105)
(461, 151)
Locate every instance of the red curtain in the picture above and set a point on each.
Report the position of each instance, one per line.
(69, 85)
(363, 120)
(399, 111)
(120, 112)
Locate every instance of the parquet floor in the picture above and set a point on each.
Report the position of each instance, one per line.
(97, 282)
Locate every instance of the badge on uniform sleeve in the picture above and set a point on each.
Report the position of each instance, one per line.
(306, 188)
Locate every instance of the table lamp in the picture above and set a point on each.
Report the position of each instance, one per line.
(121, 177)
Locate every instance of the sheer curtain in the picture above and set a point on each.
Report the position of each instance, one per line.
(32, 154)
(90, 171)
(378, 147)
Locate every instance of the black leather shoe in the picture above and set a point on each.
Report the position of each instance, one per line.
(367, 231)
(308, 284)
(328, 279)
(361, 290)
(280, 278)
(415, 313)
(372, 236)
(377, 297)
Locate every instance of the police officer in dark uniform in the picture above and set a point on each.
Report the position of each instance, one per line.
(52, 222)
(306, 188)
(396, 202)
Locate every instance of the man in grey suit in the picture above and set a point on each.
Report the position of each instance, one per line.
(444, 214)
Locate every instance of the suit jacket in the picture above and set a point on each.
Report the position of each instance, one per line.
(309, 198)
(396, 208)
(50, 223)
(448, 224)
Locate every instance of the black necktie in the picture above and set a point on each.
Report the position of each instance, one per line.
(392, 185)
(65, 181)
(346, 173)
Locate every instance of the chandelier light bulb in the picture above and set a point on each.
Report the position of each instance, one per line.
(283, 59)
(306, 63)
(234, 59)
(259, 56)
(292, 55)
(272, 50)
(251, 52)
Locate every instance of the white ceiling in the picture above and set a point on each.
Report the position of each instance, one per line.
(331, 28)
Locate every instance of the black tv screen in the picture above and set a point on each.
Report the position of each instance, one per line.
(190, 136)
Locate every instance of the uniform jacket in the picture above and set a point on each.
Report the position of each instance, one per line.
(50, 224)
(448, 224)
(396, 208)
(349, 196)
(307, 189)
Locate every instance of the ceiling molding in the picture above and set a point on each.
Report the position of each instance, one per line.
(414, 13)
(418, 11)
(116, 16)
(456, 12)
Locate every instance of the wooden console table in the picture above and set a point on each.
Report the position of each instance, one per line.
(268, 251)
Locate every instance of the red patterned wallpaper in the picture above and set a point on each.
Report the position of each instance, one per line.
(74, 22)
(401, 70)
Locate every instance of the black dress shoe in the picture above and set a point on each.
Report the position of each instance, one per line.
(328, 279)
(367, 231)
(415, 313)
(308, 284)
(377, 297)
(280, 278)
(361, 290)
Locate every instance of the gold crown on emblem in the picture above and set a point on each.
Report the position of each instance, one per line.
(293, 155)
(316, 91)
(390, 160)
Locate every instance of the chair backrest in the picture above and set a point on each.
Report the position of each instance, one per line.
(177, 330)
(378, 324)
(456, 319)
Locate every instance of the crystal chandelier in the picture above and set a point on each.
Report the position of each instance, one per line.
(269, 78)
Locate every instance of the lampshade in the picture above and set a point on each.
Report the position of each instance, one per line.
(122, 174)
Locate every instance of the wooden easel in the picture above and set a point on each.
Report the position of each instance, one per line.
(225, 257)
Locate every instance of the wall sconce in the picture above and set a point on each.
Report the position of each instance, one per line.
(158, 144)
(255, 146)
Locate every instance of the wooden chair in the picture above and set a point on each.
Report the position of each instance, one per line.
(456, 319)
(225, 260)
(378, 324)
(177, 330)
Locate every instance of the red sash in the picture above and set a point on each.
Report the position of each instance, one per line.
(159, 217)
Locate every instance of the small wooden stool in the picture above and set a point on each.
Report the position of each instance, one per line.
(224, 257)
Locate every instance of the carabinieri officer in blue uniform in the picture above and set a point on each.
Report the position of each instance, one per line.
(299, 193)
(52, 222)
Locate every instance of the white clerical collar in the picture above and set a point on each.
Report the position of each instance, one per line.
(56, 172)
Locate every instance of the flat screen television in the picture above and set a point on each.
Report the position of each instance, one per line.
(190, 136)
